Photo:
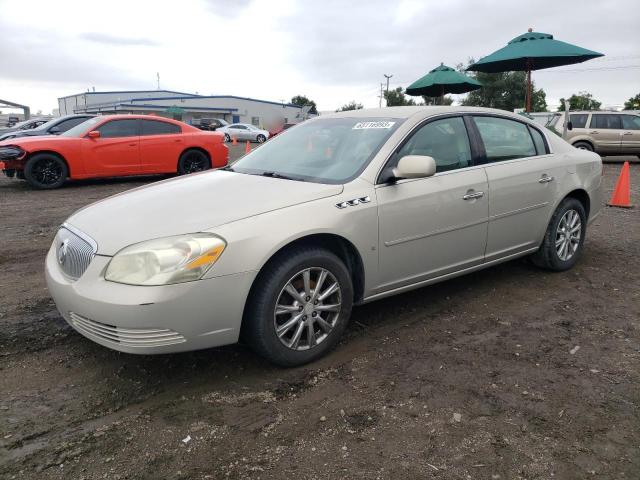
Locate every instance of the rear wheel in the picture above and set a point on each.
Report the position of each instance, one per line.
(583, 146)
(299, 306)
(193, 161)
(45, 171)
(564, 238)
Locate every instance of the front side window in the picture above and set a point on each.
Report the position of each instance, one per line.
(445, 140)
(630, 122)
(329, 150)
(607, 122)
(504, 139)
(578, 120)
(119, 128)
(158, 127)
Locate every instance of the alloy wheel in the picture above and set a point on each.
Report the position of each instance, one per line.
(568, 235)
(307, 309)
(194, 162)
(47, 171)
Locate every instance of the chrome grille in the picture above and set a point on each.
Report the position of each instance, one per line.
(131, 337)
(74, 251)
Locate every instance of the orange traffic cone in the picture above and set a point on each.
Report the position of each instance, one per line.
(234, 140)
(247, 147)
(622, 193)
(309, 145)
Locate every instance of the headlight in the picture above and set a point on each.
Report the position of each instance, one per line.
(11, 152)
(163, 261)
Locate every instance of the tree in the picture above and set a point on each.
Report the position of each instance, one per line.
(301, 100)
(352, 105)
(633, 103)
(437, 100)
(581, 101)
(397, 98)
(504, 90)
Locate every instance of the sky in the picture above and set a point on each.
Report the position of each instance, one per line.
(332, 51)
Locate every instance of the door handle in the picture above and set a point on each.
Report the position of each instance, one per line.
(545, 179)
(133, 144)
(627, 133)
(593, 132)
(473, 195)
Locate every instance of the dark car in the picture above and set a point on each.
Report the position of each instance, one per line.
(52, 127)
(210, 124)
(24, 125)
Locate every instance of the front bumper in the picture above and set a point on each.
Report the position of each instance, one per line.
(150, 320)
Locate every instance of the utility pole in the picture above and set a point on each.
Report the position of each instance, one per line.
(158, 77)
(381, 96)
(387, 77)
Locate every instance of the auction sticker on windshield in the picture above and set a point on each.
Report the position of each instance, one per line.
(365, 125)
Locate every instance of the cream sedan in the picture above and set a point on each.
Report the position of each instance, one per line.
(341, 210)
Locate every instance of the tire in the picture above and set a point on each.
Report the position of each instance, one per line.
(584, 146)
(227, 138)
(317, 331)
(261, 138)
(551, 255)
(193, 161)
(46, 171)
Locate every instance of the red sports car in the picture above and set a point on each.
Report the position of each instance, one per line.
(111, 146)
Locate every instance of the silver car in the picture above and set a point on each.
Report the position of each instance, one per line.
(244, 131)
(342, 210)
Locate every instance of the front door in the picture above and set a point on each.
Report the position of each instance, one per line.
(432, 226)
(630, 134)
(116, 151)
(606, 131)
(523, 184)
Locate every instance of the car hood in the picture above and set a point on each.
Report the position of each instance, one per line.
(34, 141)
(189, 204)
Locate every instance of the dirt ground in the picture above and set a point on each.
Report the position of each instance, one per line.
(479, 377)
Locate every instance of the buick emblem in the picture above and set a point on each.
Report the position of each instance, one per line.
(62, 251)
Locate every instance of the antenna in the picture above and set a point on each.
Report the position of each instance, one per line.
(158, 78)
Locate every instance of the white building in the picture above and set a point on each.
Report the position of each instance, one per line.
(182, 106)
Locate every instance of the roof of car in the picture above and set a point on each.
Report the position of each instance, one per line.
(406, 112)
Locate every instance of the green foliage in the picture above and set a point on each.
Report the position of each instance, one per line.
(302, 101)
(633, 103)
(352, 105)
(397, 98)
(581, 101)
(506, 91)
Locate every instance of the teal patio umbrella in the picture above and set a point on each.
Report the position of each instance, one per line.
(442, 80)
(532, 51)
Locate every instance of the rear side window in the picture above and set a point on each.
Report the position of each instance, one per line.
(607, 122)
(119, 128)
(445, 140)
(504, 139)
(158, 127)
(538, 140)
(578, 120)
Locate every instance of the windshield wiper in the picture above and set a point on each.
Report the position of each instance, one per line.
(279, 175)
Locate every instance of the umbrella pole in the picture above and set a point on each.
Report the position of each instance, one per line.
(528, 106)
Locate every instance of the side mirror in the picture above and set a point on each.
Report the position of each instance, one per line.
(55, 130)
(93, 134)
(569, 125)
(415, 166)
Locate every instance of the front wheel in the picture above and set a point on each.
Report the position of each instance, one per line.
(564, 238)
(193, 161)
(299, 306)
(261, 138)
(45, 171)
(227, 138)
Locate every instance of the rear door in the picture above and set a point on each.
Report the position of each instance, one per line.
(523, 179)
(116, 151)
(630, 134)
(606, 132)
(161, 144)
(433, 226)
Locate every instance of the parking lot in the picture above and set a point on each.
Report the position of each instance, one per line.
(507, 373)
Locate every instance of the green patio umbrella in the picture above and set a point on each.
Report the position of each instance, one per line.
(442, 80)
(532, 51)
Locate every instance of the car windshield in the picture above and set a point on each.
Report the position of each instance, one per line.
(81, 128)
(331, 150)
